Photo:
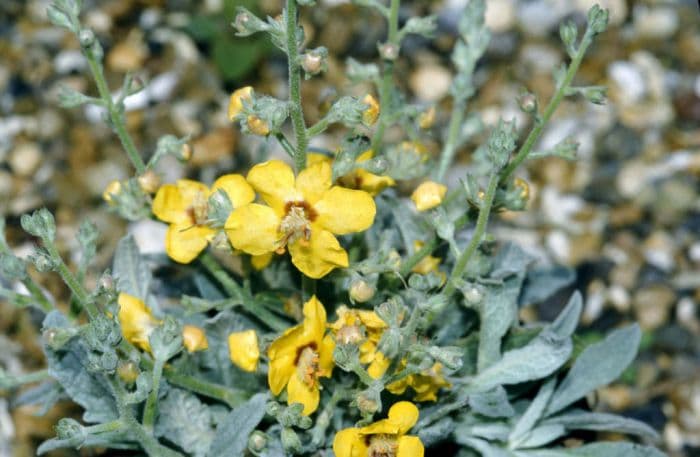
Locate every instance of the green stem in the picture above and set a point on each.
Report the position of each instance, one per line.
(106, 427)
(450, 147)
(481, 223)
(232, 288)
(149, 412)
(16, 298)
(116, 113)
(387, 77)
(286, 145)
(318, 128)
(208, 389)
(37, 293)
(70, 280)
(295, 87)
(553, 104)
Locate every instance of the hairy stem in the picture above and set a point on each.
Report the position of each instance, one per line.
(450, 147)
(149, 412)
(295, 87)
(71, 281)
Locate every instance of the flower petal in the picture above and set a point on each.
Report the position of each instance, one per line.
(281, 369)
(371, 183)
(298, 392)
(325, 356)
(253, 228)
(318, 256)
(136, 320)
(342, 211)
(384, 426)
(378, 367)
(349, 443)
(314, 320)
(404, 414)
(410, 446)
(183, 243)
(168, 205)
(314, 180)
(428, 195)
(274, 180)
(244, 350)
(237, 188)
(194, 339)
(261, 261)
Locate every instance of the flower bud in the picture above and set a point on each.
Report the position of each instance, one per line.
(185, 152)
(290, 441)
(427, 118)
(473, 294)
(241, 22)
(70, 429)
(194, 339)
(86, 38)
(258, 126)
(106, 281)
(389, 51)
(257, 442)
(349, 334)
(111, 191)
(370, 115)
(361, 291)
(528, 103)
(314, 62)
(368, 402)
(235, 106)
(127, 371)
(149, 181)
(56, 338)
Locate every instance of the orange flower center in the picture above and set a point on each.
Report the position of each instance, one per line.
(382, 446)
(199, 209)
(296, 223)
(307, 365)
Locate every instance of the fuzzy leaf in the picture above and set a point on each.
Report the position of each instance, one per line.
(598, 365)
(584, 420)
(232, 434)
(533, 412)
(541, 435)
(603, 449)
(131, 272)
(540, 358)
(542, 283)
(510, 260)
(493, 403)
(567, 320)
(184, 420)
(498, 312)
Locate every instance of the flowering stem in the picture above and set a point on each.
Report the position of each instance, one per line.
(295, 87)
(149, 411)
(481, 223)
(232, 288)
(450, 147)
(116, 113)
(553, 104)
(387, 76)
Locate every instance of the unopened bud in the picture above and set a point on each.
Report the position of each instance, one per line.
(185, 152)
(241, 22)
(111, 191)
(149, 181)
(86, 38)
(290, 441)
(258, 126)
(473, 294)
(368, 402)
(371, 114)
(106, 281)
(528, 103)
(388, 51)
(257, 442)
(427, 118)
(361, 291)
(314, 62)
(349, 334)
(127, 371)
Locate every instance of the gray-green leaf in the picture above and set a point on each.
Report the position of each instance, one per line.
(131, 272)
(232, 434)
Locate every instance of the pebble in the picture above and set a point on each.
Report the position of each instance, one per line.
(128, 55)
(595, 302)
(658, 250)
(658, 23)
(652, 305)
(500, 15)
(619, 297)
(430, 83)
(687, 314)
(25, 159)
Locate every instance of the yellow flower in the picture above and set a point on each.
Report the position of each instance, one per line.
(426, 384)
(427, 118)
(428, 195)
(244, 350)
(136, 321)
(386, 438)
(359, 178)
(301, 356)
(370, 115)
(365, 328)
(302, 214)
(194, 339)
(185, 206)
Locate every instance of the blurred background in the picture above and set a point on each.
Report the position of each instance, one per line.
(624, 218)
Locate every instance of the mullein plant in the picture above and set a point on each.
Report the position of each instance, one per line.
(365, 321)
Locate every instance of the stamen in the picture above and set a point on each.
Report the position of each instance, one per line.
(307, 366)
(296, 224)
(382, 446)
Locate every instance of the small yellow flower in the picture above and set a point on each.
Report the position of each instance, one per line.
(244, 349)
(194, 339)
(359, 178)
(301, 356)
(136, 321)
(235, 104)
(302, 214)
(386, 438)
(112, 189)
(426, 384)
(370, 115)
(185, 206)
(365, 328)
(428, 195)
